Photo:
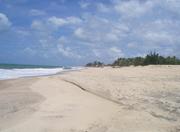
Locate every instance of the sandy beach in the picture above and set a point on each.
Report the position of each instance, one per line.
(127, 99)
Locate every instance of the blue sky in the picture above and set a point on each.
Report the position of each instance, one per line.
(74, 32)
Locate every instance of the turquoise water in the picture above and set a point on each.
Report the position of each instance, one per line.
(22, 66)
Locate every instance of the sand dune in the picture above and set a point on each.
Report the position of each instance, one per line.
(129, 99)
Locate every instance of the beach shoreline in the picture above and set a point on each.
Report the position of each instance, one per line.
(130, 99)
(50, 74)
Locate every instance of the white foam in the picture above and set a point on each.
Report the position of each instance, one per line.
(16, 73)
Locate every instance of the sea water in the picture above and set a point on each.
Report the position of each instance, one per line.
(11, 71)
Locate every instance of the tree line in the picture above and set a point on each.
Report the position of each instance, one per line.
(152, 58)
(95, 64)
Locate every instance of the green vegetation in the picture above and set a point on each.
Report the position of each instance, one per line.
(152, 58)
(95, 64)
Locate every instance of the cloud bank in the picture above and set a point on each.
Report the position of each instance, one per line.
(103, 31)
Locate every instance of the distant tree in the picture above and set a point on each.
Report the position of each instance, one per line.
(138, 61)
(95, 64)
(152, 58)
(162, 60)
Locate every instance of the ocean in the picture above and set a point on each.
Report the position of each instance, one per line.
(11, 71)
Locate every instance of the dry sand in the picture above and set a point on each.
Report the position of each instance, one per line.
(129, 99)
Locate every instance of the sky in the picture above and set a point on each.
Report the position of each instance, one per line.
(75, 32)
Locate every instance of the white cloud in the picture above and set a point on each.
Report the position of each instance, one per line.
(44, 31)
(132, 8)
(162, 37)
(79, 32)
(116, 52)
(84, 4)
(37, 24)
(68, 52)
(45, 42)
(171, 5)
(159, 32)
(132, 45)
(107, 54)
(64, 21)
(57, 21)
(4, 22)
(35, 12)
(73, 20)
(112, 37)
(45, 27)
(138, 35)
(63, 40)
(97, 30)
(106, 35)
(97, 53)
(102, 8)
